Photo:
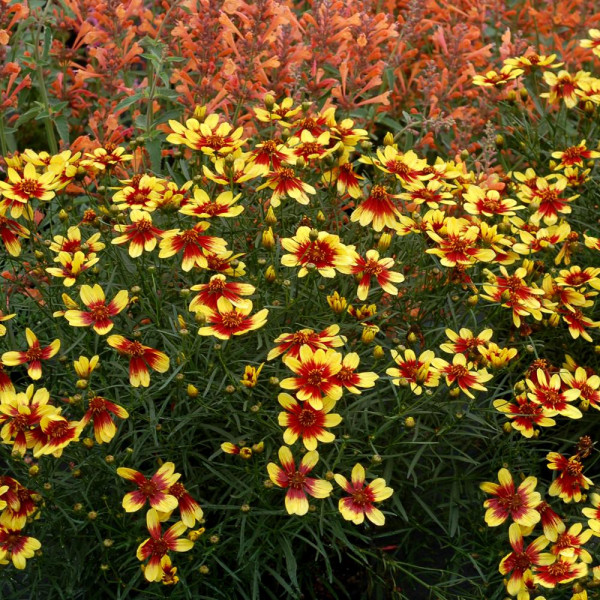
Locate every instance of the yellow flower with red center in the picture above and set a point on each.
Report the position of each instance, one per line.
(141, 192)
(241, 169)
(315, 375)
(531, 60)
(303, 421)
(309, 147)
(323, 250)
(271, 155)
(524, 414)
(72, 266)
(547, 199)
(99, 314)
(343, 176)
(563, 570)
(577, 277)
(296, 481)
(378, 210)
(218, 287)
(349, 379)
(495, 356)
(406, 166)
(460, 372)
(225, 262)
(496, 79)
(227, 320)
(72, 243)
(140, 358)
(192, 242)
(158, 544)
(359, 502)
(372, 266)
(558, 297)
(10, 232)
(154, 490)
(517, 504)
(20, 189)
(432, 192)
(203, 207)
(574, 156)
(570, 480)
(465, 342)
(289, 344)
(33, 357)
(140, 234)
(208, 136)
(413, 371)
(570, 542)
(277, 112)
(189, 510)
(593, 42)
(55, 434)
(285, 182)
(250, 377)
(100, 411)
(550, 394)
(564, 86)
(101, 158)
(16, 546)
(488, 203)
(587, 382)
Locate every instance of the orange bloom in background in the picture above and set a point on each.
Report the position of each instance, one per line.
(19, 190)
(141, 357)
(290, 344)
(140, 234)
(518, 504)
(359, 503)
(218, 287)
(315, 375)
(100, 411)
(33, 357)
(227, 320)
(158, 544)
(153, 490)
(378, 210)
(72, 266)
(296, 480)
(99, 313)
(489, 203)
(570, 480)
(459, 372)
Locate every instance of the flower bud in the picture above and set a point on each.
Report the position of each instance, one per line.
(270, 274)
(378, 353)
(388, 139)
(384, 241)
(409, 422)
(268, 240)
(269, 101)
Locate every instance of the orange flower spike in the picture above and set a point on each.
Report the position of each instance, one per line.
(460, 372)
(16, 546)
(315, 375)
(517, 504)
(10, 232)
(218, 287)
(33, 356)
(153, 490)
(72, 266)
(158, 544)
(99, 313)
(228, 320)
(100, 411)
(19, 190)
(140, 234)
(141, 357)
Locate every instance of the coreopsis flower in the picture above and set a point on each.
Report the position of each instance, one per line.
(21, 504)
(296, 480)
(227, 320)
(189, 509)
(496, 357)
(16, 546)
(158, 544)
(169, 572)
(243, 168)
(378, 210)
(577, 277)
(140, 358)
(22, 413)
(460, 372)
(272, 155)
(366, 311)
(250, 377)
(521, 559)
(100, 411)
(210, 136)
(33, 357)
(10, 232)
(154, 490)
(368, 333)
(337, 303)
(570, 480)
(321, 249)
(519, 505)
(20, 189)
(218, 287)
(141, 235)
(532, 59)
(551, 523)
(563, 86)
(406, 166)
(284, 182)
(517, 295)
(465, 342)
(315, 375)
(549, 394)
(570, 542)
(84, 366)
(457, 245)
(72, 266)
(432, 192)
(369, 267)
(349, 379)
(489, 203)
(593, 42)
(4, 318)
(303, 421)
(277, 112)
(593, 513)
(172, 197)
(6, 385)
(345, 131)
(55, 434)
(588, 384)
(537, 239)
(524, 414)
(310, 147)
(226, 263)
(230, 448)
(548, 200)
(290, 344)
(496, 79)
(101, 158)
(564, 569)
(346, 180)
(72, 242)
(99, 312)
(360, 499)
(578, 323)
(192, 242)
(203, 207)
(574, 156)
(416, 372)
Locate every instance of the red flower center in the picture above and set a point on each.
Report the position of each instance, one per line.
(142, 225)
(97, 404)
(345, 374)
(559, 569)
(100, 312)
(148, 488)
(361, 497)
(34, 353)
(307, 417)
(296, 480)
(511, 503)
(373, 267)
(177, 490)
(136, 350)
(29, 187)
(158, 547)
(521, 561)
(232, 319)
(315, 377)
(574, 467)
(58, 430)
